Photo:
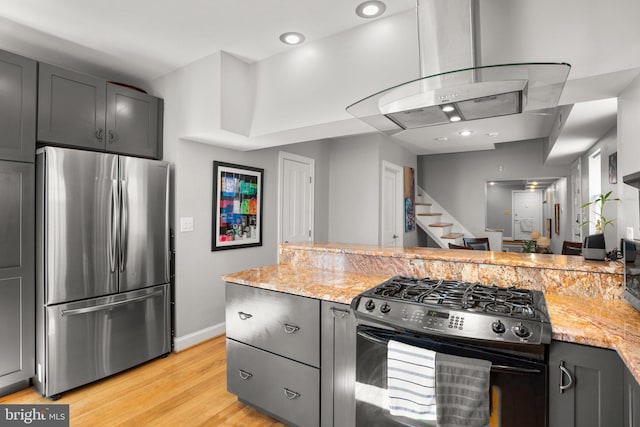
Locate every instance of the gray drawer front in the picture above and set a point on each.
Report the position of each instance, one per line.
(267, 376)
(285, 324)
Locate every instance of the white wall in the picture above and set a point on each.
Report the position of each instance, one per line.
(628, 157)
(563, 31)
(607, 145)
(313, 83)
(457, 181)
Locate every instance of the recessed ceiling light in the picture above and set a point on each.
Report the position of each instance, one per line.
(447, 108)
(441, 138)
(493, 134)
(370, 9)
(291, 38)
(454, 119)
(465, 132)
(492, 183)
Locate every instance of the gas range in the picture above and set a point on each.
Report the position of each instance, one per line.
(457, 309)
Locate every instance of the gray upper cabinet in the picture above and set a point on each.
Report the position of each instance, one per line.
(17, 271)
(78, 110)
(17, 108)
(71, 108)
(585, 386)
(132, 121)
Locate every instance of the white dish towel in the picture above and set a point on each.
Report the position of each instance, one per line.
(411, 381)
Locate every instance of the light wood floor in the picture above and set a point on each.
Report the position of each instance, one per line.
(185, 389)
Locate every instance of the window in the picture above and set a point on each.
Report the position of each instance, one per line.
(595, 188)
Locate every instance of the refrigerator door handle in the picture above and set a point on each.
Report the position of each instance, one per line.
(110, 305)
(124, 220)
(113, 235)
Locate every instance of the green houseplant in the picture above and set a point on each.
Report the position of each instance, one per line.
(599, 202)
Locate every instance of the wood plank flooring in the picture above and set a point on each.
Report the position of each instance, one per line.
(184, 389)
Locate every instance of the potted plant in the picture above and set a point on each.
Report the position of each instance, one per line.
(594, 244)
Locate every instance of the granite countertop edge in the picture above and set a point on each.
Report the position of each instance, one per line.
(514, 259)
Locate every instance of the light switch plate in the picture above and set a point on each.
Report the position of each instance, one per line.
(186, 223)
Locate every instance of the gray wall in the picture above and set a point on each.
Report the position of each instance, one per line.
(355, 182)
(457, 181)
(199, 289)
(499, 202)
(353, 190)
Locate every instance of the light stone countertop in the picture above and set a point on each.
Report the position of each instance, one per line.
(591, 321)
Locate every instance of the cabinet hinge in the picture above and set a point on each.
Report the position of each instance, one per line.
(309, 180)
(309, 233)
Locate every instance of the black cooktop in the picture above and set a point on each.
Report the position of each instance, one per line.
(515, 302)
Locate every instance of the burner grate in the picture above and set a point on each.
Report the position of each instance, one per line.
(460, 295)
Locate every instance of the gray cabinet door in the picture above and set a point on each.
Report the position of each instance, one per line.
(17, 253)
(132, 122)
(71, 108)
(591, 379)
(631, 400)
(285, 324)
(338, 361)
(17, 108)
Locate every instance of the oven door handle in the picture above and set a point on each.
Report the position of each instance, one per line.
(504, 368)
(515, 369)
(372, 338)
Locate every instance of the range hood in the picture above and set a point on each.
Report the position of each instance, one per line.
(447, 41)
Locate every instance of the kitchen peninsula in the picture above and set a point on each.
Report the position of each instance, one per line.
(584, 298)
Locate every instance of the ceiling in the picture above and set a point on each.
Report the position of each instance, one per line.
(146, 39)
(140, 40)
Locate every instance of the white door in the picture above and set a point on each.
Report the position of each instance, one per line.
(527, 213)
(391, 205)
(295, 198)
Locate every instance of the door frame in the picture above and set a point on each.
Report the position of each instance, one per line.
(399, 203)
(282, 156)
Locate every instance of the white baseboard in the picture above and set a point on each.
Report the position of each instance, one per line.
(180, 343)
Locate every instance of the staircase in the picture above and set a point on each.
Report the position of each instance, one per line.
(439, 224)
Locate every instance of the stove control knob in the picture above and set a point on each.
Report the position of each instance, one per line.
(498, 327)
(370, 305)
(521, 330)
(385, 308)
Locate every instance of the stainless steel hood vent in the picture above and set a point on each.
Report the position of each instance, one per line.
(446, 35)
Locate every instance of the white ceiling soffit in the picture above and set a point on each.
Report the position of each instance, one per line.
(150, 38)
(587, 123)
(518, 127)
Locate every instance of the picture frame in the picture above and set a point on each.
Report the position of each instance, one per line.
(613, 168)
(236, 206)
(556, 217)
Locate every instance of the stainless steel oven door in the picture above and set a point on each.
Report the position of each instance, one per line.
(518, 385)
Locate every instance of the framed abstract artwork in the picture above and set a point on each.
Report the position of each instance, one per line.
(237, 206)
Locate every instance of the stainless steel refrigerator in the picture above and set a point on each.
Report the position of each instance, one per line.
(102, 266)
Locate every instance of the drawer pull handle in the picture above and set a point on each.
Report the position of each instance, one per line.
(338, 313)
(290, 329)
(244, 316)
(564, 371)
(244, 374)
(290, 394)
